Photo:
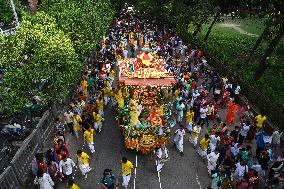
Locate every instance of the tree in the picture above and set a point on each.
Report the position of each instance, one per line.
(258, 41)
(39, 60)
(263, 64)
(6, 14)
(276, 11)
(215, 19)
(203, 11)
(84, 21)
(269, 10)
(33, 5)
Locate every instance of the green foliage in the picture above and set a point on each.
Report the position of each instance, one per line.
(39, 60)
(46, 55)
(84, 21)
(6, 14)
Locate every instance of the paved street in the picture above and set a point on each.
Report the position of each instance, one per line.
(188, 171)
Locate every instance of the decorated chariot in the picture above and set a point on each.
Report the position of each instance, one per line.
(143, 110)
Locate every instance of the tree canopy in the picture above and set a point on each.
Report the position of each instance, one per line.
(6, 14)
(39, 60)
(84, 21)
(49, 50)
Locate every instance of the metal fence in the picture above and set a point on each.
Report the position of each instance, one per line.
(8, 32)
(15, 174)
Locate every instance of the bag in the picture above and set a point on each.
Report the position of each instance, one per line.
(245, 156)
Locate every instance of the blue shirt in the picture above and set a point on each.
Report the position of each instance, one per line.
(260, 142)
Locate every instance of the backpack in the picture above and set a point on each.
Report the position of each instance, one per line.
(245, 156)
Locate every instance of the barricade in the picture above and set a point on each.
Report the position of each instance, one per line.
(15, 175)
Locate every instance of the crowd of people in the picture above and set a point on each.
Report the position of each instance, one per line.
(240, 150)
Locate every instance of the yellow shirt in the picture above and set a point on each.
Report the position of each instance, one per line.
(131, 35)
(195, 131)
(177, 93)
(161, 110)
(112, 73)
(89, 135)
(259, 120)
(94, 115)
(204, 143)
(74, 186)
(126, 168)
(76, 120)
(100, 104)
(119, 99)
(97, 117)
(84, 84)
(111, 94)
(84, 158)
(225, 80)
(189, 117)
(106, 92)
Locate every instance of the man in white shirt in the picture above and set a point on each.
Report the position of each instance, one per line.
(69, 120)
(162, 156)
(241, 169)
(178, 139)
(203, 116)
(235, 149)
(195, 94)
(243, 132)
(237, 90)
(276, 139)
(66, 167)
(44, 180)
(108, 66)
(212, 159)
(213, 142)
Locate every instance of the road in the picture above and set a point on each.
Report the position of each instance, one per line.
(188, 171)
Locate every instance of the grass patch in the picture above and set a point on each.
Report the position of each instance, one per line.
(251, 25)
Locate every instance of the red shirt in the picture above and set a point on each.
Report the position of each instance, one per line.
(193, 84)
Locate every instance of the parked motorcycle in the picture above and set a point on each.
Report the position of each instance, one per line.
(13, 129)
